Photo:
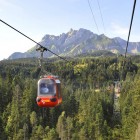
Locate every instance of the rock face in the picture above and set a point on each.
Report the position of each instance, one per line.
(77, 42)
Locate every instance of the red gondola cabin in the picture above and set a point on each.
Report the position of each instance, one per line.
(49, 92)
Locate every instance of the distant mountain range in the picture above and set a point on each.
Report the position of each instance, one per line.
(78, 42)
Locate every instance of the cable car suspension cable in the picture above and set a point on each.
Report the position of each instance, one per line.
(93, 15)
(41, 46)
(101, 15)
(130, 26)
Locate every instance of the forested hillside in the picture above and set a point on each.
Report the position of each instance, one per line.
(86, 112)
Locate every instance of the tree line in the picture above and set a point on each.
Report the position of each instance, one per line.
(86, 112)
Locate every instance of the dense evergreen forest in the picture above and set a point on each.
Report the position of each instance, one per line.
(86, 112)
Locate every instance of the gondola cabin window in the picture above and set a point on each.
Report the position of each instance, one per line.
(47, 87)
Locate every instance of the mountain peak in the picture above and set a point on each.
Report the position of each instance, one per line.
(76, 42)
(71, 32)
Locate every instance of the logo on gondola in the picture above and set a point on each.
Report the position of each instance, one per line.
(47, 101)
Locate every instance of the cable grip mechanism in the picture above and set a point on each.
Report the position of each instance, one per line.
(41, 49)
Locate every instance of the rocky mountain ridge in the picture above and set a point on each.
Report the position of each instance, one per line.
(78, 42)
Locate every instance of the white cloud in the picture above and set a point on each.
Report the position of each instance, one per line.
(8, 4)
(134, 37)
(118, 30)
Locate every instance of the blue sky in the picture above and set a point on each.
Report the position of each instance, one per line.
(35, 18)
